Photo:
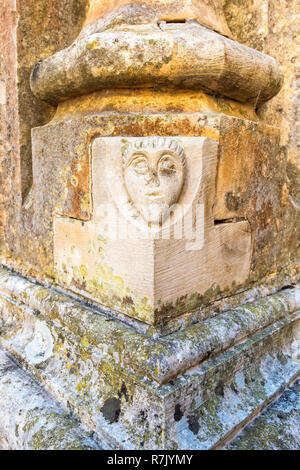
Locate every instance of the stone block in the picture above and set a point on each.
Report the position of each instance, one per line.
(151, 249)
(206, 12)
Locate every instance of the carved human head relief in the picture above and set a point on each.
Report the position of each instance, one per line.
(154, 171)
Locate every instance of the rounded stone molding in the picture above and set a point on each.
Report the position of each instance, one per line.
(164, 55)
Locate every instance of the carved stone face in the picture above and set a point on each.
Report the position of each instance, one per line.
(154, 175)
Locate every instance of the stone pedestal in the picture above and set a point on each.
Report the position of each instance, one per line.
(193, 389)
(160, 210)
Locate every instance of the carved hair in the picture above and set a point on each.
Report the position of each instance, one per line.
(153, 144)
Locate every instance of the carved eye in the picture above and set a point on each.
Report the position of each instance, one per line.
(140, 164)
(167, 165)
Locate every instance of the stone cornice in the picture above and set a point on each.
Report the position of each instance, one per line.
(158, 359)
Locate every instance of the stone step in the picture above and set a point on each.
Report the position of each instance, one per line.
(31, 420)
(193, 389)
(276, 428)
(235, 386)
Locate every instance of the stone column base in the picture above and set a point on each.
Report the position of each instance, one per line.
(192, 389)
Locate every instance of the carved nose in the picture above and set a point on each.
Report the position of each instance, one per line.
(152, 178)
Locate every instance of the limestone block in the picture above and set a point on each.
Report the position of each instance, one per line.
(29, 31)
(207, 12)
(252, 182)
(272, 27)
(2, 92)
(63, 185)
(151, 249)
(248, 152)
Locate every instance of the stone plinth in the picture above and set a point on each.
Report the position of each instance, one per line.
(159, 304)
(193, 389)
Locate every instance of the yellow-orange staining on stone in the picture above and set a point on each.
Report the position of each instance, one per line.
(92, 45)
(153, 106)
(108, 129)
(80, 386)
(2, 93)
(209, 13)
(284, 197)
(150, 102)
(85, 203)
(278, 222)
(74, 181)
(83, 270)
(80, 150)
(84, 342)
(59, 348)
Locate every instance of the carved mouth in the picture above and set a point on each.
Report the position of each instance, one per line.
(155, 195)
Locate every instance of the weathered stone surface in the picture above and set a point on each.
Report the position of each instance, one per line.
(186, 56)
(152, 101)
(31, 420)
(93, 257)
(65, 169)
(272, 27)
(58, 164)
(209, 13)
(277, 428)
(248, 153)
(252, 183)
(188, 381)
(159, 360)
(29, 31)
(216, 398)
